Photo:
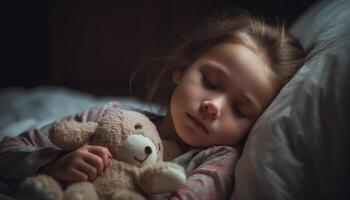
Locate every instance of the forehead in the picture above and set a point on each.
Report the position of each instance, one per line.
(243, 72)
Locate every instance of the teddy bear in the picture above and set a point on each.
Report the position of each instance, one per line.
(135, 170)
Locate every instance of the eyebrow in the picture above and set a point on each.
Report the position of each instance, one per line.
(217, 68)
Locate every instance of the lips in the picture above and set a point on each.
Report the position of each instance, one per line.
(197, 124)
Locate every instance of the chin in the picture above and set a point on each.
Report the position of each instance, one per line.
(188, 141)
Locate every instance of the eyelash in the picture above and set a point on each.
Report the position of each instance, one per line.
(207, 83)
(238, 112)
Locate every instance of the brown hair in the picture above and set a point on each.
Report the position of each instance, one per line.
(283, 52)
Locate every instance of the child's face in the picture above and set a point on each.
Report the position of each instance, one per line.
(219, 97)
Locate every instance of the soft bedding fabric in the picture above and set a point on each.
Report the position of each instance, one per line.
(23, 109)
(299, 147)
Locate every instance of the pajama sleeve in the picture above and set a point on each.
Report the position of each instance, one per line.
(29, 153)
(210, 175)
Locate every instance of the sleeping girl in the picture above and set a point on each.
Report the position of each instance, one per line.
(215, 87)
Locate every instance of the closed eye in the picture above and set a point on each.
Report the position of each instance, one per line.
(238, 112)
(207, 84)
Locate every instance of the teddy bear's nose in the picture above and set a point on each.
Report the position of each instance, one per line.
(148, 150)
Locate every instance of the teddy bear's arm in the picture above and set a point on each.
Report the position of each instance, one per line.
(70, 135)
(161, 178)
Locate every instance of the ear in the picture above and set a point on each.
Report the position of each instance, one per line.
(70, 135)
(177, 74)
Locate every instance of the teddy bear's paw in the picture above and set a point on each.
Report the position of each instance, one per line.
(168, 178)
(81, 191)
(40, 187)
(127, 195)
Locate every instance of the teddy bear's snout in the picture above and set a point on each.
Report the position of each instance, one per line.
(137, 149)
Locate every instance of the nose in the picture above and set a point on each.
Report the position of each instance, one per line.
(148, 150)
(212, 108)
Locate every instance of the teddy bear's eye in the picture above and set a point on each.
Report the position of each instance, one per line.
(138, 126)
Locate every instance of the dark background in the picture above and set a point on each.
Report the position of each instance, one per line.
(94, 45)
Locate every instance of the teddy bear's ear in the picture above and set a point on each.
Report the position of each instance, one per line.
(70, 135)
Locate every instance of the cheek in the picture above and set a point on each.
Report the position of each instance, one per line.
(233, 131)
(230, 134)
(184, 95)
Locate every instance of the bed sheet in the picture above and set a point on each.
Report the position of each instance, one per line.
(23, 109)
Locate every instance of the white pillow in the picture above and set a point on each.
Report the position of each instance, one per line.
(298, 149)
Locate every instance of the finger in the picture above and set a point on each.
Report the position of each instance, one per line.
(77, 175)
(109, 153)
(87, 169)
(99, 150)
(95, 162)
(102, 152)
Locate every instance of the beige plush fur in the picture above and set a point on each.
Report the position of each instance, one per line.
(137, 167)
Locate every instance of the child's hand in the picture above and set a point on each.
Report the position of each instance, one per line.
(85, 163)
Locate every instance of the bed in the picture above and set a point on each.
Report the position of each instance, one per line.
(23, 109)
(297, 149)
